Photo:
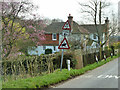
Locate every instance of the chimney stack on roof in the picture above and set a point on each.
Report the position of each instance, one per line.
(70, 19)
(106, 21)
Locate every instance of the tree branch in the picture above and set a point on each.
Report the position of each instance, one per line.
(85, 5)
(88, 12)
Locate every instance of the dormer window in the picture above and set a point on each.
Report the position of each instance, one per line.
(54, 36)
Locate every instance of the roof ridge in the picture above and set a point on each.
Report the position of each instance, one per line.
(89, 24)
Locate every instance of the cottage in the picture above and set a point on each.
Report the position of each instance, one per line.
(53, 33)
(85, 34)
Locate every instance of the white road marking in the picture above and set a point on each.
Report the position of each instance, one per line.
(99, 76)
(86, 76)
(108, 76)
(116, 77)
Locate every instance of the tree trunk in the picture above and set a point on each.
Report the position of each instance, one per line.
(100, 52)
(100, 31)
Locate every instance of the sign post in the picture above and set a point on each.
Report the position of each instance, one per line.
(64, 44)
(61, 60)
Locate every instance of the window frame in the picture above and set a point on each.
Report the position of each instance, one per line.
(53, 36)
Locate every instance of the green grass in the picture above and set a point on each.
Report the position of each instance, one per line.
(52, 78)
(0, 84)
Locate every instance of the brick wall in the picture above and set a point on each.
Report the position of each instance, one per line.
(49, 40)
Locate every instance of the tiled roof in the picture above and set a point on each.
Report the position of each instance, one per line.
(56, 27)
(79, 29)
(92, 29)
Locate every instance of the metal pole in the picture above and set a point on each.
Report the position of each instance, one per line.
(61, 59)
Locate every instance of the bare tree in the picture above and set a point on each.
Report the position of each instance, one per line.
(114, 24)
(95, 9)
(113, 28)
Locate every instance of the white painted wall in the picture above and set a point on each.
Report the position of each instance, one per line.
(94, 43)
(39, 50)
(75, 36)
(92, 37)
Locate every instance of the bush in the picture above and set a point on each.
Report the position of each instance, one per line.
(48, 51)
(67, 56)
(116, 45)
(31, 65)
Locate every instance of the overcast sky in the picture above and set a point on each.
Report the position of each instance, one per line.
(62, 8)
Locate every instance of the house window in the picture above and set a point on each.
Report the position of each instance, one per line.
(54, 36)
(54, 48)
(44, 47)
(94, 36)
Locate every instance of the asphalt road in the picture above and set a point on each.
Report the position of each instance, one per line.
(105, 76)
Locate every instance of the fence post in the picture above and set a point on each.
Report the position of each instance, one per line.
(41, 58)
(96, 58)
(111, 54)
(51, 63)
(48, 63)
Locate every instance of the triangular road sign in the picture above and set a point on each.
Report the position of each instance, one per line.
(66, 26)
(64, 44)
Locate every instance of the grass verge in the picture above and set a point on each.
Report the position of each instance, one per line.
(52, 78)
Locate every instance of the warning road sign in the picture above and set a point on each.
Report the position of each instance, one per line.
(66, 26)
(64, 44)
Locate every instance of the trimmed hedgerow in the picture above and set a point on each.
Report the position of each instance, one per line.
(52, 78)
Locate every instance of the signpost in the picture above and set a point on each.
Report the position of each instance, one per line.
(64, 43)
(61, 60)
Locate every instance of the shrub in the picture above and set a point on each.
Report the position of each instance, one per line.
(67, 56)
(48, 51)
(116, 45)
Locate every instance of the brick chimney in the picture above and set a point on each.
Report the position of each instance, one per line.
(70, 19)
(106, 21)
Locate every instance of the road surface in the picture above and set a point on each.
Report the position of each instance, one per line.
(105, 76)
